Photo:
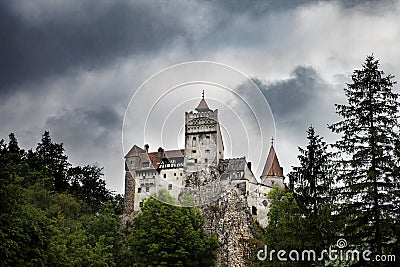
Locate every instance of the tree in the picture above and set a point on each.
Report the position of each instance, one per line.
(366, 182)
(87, 184)
(53, 158)
(286, 229)
(312, 183)
(166, 235)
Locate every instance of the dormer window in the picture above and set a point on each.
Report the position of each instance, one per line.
(146, 164)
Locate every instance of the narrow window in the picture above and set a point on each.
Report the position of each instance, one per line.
(147, 189)
(140, 204)
(253, 210)
(195, 160)
(165, 175)
(174, 173)
(170, 187)
(206, 160)
(139, 190)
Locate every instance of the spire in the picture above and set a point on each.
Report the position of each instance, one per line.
(202, 107)
(272, 166)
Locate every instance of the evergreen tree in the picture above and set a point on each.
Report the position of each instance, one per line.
(366, 182)
(53, 157)
(312, 183)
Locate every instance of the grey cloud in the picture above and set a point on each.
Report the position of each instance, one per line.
(91, 136)
(80, 127)
(31, 51)
(289, 97)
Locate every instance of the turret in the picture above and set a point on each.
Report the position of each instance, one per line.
(203, 138)
(273, 172)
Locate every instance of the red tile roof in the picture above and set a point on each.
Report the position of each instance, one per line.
(152, 158)
(272, 166)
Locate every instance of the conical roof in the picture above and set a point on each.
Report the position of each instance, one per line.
(202, 106)
(272, 166)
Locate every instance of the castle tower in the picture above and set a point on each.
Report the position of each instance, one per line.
(131, 164)
(203, 138)
(273, 172)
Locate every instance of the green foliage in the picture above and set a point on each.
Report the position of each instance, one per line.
(166, 235)
(286, 228)
(87, 184)
(53, 158)
(368, 183)
(53, 214)
(42, 224)
(312, 184)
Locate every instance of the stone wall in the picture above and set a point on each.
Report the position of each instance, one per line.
(230, 220)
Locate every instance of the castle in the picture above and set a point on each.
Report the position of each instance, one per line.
(199, 172)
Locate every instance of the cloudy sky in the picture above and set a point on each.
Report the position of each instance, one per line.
(72, 66)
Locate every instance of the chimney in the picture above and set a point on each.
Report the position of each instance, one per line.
(146, 146)
(160, 154)
(249, 165)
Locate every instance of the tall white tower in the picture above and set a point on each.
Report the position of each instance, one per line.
(203, 139)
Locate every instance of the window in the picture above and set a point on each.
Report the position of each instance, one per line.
(194, 141)
(147, 189)
(206, 160)
(174, 173)
(181, 174)
(207, 151)
(146, 164)
(165, 175)
(194, 151)
(141, 204)
(170, 187)
(195, 160)
(254, 210)
(207, 137)
(139, 190)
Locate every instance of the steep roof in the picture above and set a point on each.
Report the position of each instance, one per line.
(135, 151)
(202, 106)
(272, 166)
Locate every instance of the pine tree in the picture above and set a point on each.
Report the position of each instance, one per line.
(311, 183)
(53, 157)
(368, 134)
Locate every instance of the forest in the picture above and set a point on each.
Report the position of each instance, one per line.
(56, 214)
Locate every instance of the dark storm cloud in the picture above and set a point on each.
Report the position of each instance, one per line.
(33, 50)
(289, 97)
(80, 127)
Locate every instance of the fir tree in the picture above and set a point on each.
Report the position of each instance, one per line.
(311, 183)
(53, 157)
(368, 134)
